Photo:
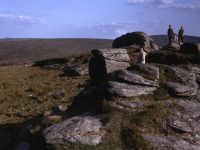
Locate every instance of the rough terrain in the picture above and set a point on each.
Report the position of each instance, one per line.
(60, 104)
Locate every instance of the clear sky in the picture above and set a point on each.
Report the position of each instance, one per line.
(96, 18)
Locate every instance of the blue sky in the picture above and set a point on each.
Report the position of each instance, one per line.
(95, 18)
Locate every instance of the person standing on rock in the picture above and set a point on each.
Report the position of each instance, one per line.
(180, 35)
(170, 33)
(142, 56)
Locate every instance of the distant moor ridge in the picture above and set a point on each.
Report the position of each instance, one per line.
(22, 51)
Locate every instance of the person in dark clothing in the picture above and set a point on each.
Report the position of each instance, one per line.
(170, 33)
(180, 35)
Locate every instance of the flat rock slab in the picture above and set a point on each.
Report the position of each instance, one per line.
(196, 70)
(113, 65)
(116, 54)
(75, 71)
(127, 90)
(160, 142)
(187, 76)
(172, 47)
(132, 106)
(133, 78)
(149, 69)
(186, 117)
(188, 86)
(80, 129)
(105, 61)
(181, 90)
(135, 104)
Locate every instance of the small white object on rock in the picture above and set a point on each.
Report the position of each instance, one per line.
(142, 56)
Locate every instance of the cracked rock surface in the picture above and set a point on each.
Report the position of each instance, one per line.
(80, 129)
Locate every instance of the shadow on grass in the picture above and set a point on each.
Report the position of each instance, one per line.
(28, 134)
(90, 100)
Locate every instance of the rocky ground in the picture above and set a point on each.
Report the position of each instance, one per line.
(27, 94)
(101, 101)
(145, 107)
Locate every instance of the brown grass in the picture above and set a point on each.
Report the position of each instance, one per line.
(123, 130)
(18, 82)
(20, 51)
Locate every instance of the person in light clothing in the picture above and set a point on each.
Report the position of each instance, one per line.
(142, 56)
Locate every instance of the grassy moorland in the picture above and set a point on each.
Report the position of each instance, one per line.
(27, 92)
(21, 51)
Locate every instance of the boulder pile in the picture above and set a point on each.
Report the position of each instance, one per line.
(135, 38)
(132, 88)
(105, 61)
(130, 84)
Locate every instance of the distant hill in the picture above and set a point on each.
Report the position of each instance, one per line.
(20, 51)
(162, 40)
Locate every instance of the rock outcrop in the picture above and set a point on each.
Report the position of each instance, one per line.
(75, 71)
(160, 142)
(105, 61)
(121, 104)
(50, 63)
(127, 105)
(189, 48)
(181, 90)
(187, 87)
(79, 129)
(136, 79)
(196, 70)
(172, 47)
(128, 90)
(138, 38)
(185, 117)
(129, 83)
(149, 69)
